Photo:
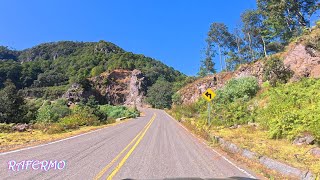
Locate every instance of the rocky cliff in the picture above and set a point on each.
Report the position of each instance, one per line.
(303, 60)
(119, 87)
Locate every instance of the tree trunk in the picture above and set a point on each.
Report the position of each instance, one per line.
(250, 46)
(302, 20)
(220, 58)
(264, 47)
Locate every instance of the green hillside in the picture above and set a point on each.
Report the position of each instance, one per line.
(65, 62)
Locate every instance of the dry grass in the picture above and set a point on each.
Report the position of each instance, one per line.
(257, 141)
(17, 140)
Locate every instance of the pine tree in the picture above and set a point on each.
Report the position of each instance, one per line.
(12, 109)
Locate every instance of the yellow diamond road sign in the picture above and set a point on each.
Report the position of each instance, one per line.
(209, 95)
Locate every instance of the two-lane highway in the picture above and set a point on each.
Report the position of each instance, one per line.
(151, 147)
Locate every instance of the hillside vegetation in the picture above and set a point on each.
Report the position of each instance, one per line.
(270, 112)
(60, 63)
(33, 81)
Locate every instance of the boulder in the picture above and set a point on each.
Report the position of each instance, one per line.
(20, 127)
(315, 152)
(305, 140)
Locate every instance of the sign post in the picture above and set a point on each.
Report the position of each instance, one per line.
(209, 95)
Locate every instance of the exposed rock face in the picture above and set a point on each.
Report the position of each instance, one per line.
(113, 87)
(303, 61)
(137, 89)
(192, 92)
(255, 69)
(120, 87)
(74, 94)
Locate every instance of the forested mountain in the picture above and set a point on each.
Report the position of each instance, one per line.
(65, 62)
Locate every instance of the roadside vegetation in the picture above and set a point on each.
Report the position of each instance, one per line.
(265, 120)
(272, 119)
(55, 116)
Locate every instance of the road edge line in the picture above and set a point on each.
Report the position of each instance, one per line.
(225, 158)
(61, 140)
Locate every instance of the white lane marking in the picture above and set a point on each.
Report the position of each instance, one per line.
(54, 142)
(226, 159)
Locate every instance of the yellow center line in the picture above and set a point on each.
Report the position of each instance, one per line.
(105, 169)
(116, 170)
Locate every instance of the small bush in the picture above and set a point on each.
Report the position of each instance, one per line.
(6, 128)
(55, 128)
(245, 88)
(176, 99)
(113, 112)
(318, 23)
(49, 113)
(292, 109)
(74, 121)
(275, 71)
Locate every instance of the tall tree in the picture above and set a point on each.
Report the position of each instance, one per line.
(219, 37)
(160, 94)
(287, 18)
(256, 31)
(207, 65)
(12, 104)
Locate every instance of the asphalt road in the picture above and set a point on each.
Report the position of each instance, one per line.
(151, 147)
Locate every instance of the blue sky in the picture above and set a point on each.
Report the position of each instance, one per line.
(173, 31)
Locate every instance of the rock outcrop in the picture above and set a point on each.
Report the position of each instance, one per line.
(74, 94)
(119, 87)
(137, 89)
(304, 61)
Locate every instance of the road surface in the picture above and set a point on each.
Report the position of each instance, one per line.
(151, 147)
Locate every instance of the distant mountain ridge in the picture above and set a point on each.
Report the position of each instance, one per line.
(66, 62)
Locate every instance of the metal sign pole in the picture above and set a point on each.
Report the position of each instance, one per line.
(209, 114)
(209, 95)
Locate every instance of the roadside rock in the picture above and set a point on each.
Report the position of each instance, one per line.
(315, 152)
(269, 163)
(20, 127)
(250, 155)
(308, 139)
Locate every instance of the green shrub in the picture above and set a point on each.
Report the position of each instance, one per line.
(318, 23)
(160, 94)
(275, 71)
(176, 98)
(84, 114)
(74, 121)
(50, 93)
(6, 128)
(245, 88)
(113, 112)
(292, 109)
(55, 128)
(49, 113)
(32, 106)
